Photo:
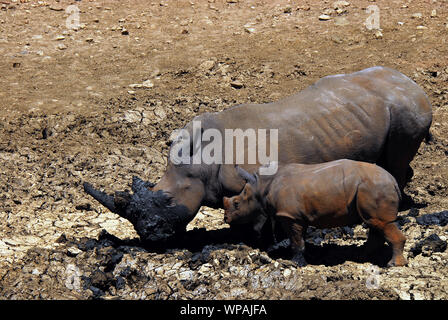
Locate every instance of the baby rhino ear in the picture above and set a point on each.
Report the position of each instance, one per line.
(226, 202)
(248, 190)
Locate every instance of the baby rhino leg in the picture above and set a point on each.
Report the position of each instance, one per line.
(396, 238)
(379, 209)
(295, 232)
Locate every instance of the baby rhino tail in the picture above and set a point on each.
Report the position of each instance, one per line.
(395, 183)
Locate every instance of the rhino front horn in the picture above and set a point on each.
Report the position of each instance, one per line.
(102, 197)
(117, 203)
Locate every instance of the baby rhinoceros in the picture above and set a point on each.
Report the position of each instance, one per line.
(333, 194)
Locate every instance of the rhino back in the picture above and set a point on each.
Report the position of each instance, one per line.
(341, 116)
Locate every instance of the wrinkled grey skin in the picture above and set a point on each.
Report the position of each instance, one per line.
(376, 115)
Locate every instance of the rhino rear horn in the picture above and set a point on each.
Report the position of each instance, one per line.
(138, 184)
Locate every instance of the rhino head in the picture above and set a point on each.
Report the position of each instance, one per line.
(155, 215)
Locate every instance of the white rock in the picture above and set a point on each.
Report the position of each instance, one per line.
(160, 113)
(249, 29)
(74, 251)
(147, 84)
(205, 268)
(35, 272)
(324, 17)
(340, 4)
(207, 65)
(418, 295)
(186, 275)
(404, 295)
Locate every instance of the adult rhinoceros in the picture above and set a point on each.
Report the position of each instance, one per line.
(376, 115)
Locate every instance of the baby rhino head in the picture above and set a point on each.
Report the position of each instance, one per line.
(241, 208)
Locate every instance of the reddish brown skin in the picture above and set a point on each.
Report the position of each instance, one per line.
(332, 194)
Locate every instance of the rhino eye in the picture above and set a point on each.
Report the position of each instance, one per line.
(236, 204)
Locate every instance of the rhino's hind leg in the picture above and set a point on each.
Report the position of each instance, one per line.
(378, 208)
(388, 232)
(396, 238)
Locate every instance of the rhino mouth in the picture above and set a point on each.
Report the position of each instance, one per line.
(157, 219)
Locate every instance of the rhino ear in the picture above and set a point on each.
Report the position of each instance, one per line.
(252, 179)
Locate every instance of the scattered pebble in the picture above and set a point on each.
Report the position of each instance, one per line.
(324, 17)
(340, 4)
(237, 84)
(56, 8)
(147, 84)
(378, 34)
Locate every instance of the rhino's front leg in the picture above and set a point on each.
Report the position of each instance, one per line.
(295, 232)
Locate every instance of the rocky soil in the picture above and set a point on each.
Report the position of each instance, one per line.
(99, 103)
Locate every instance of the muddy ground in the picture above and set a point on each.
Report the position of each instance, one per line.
(76, 105)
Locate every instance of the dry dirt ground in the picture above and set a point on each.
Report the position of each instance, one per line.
(73, 109)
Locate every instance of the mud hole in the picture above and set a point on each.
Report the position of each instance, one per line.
(68, 114)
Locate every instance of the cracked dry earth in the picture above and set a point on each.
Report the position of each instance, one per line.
(99, 103)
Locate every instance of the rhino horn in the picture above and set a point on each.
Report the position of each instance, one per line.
(116, 203)
(246, 175)
(102, 197)
(139, 184)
